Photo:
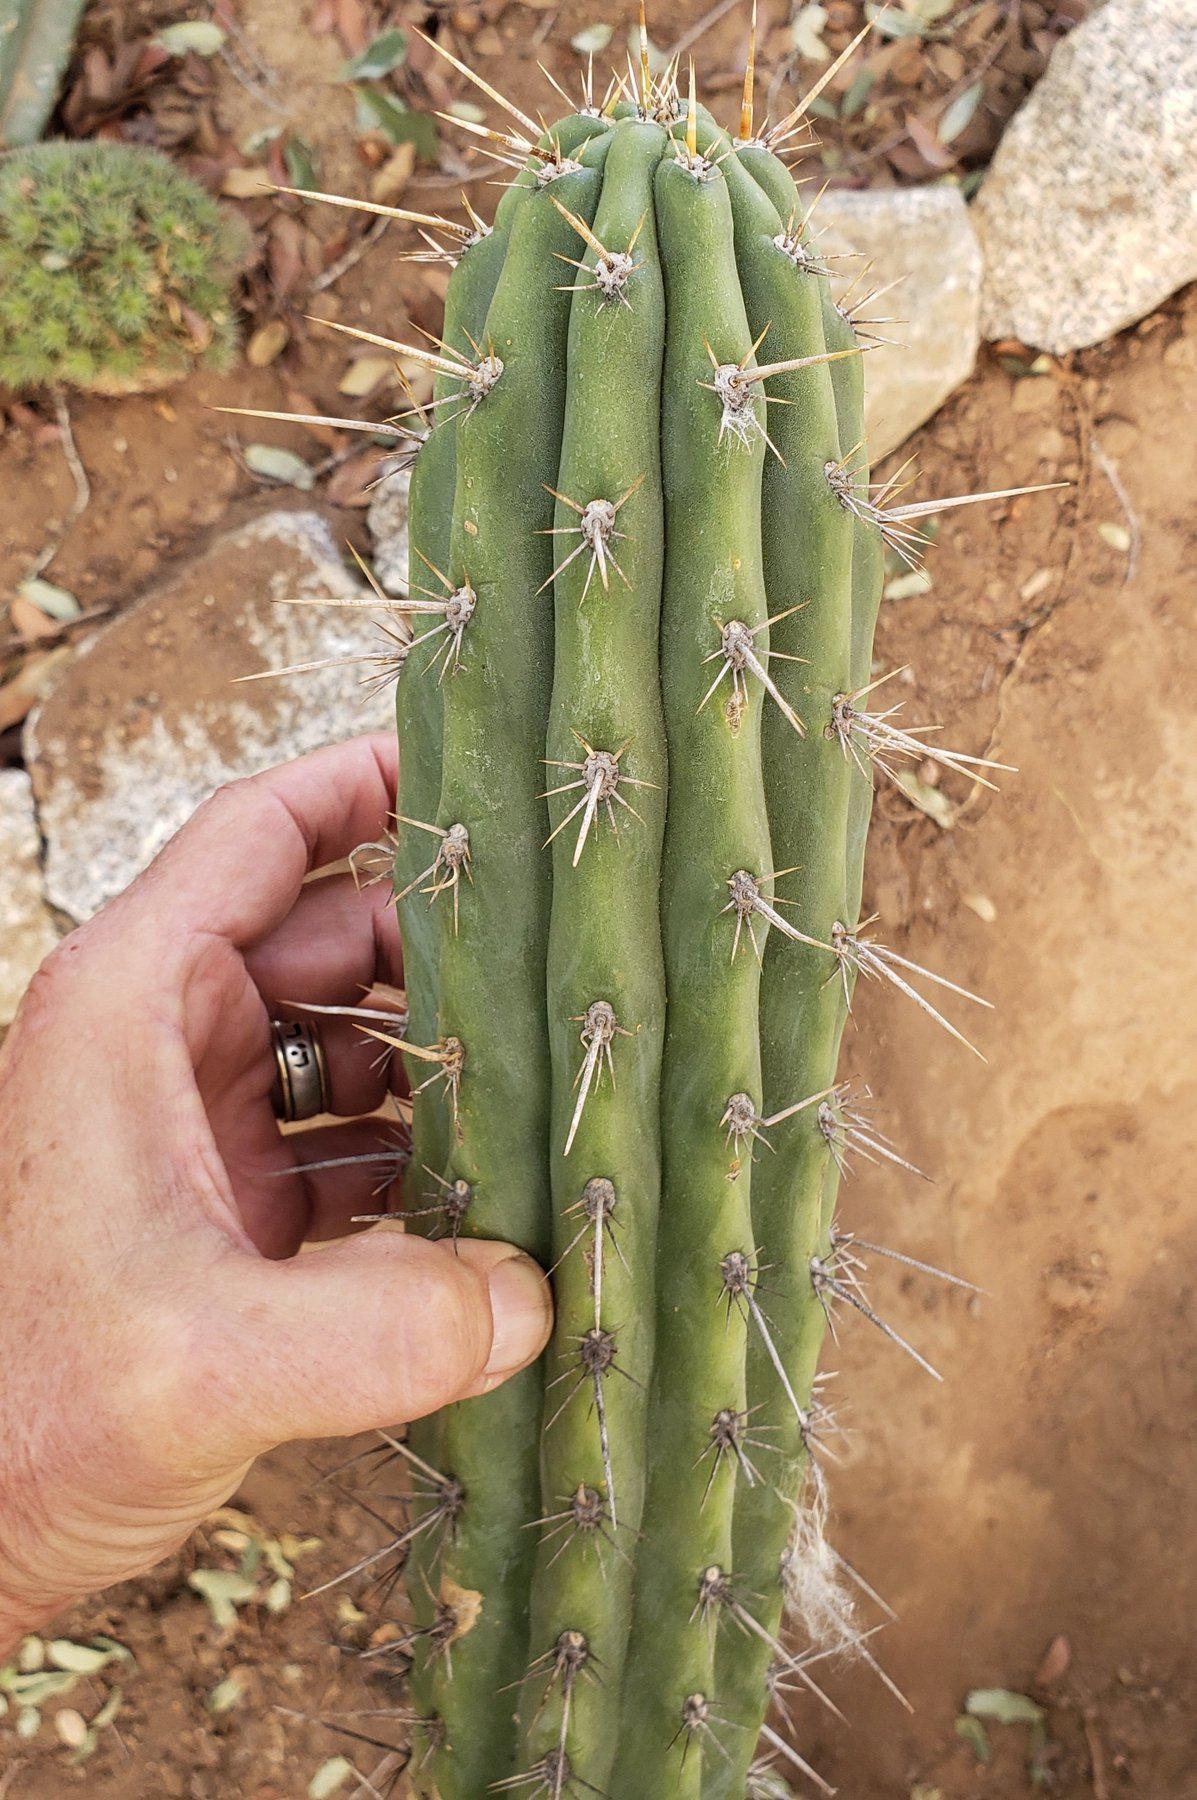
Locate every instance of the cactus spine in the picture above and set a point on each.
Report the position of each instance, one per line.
(647, 560)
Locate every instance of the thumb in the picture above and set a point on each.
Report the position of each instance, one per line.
(373, 1331)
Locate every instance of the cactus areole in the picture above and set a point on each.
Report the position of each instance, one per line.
(636, 774)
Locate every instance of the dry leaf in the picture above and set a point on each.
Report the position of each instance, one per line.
(250, 183)
(19, 696)
(364, 374)
(388, 182)
(29, 621)
(351, 484)
(1056, 1659)
(267, 342)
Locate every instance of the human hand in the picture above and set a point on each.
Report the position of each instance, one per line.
(158, 1330)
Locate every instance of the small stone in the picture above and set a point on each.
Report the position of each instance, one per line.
(1034, 393)
(27, 929)
(1118, 437)
(133, 737)
(923, 235)
(387, 519)
(1087, 216)
(1051, 444)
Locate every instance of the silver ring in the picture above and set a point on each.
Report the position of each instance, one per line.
(301, 1087)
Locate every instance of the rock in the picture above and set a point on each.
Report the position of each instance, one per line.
(387, 519)
(1088, 215)
(147, 721)
(27, 929)
(924, 236)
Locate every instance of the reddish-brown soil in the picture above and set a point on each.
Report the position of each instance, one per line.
(1045, 1490)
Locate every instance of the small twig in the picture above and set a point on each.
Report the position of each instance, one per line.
(353, 255)
(699, 29)
(1110, 470)
(1097, 1759)
(82, 499)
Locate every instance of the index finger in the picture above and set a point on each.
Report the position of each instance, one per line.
(236, 868)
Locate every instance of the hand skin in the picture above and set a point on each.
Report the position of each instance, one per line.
(158, 1330)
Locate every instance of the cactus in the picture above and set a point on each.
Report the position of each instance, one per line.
(638, 751)
(35, 42)
(115, 269)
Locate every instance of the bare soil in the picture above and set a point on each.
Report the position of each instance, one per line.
(1044, 1493)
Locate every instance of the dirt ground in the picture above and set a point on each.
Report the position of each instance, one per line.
(1043, 1495)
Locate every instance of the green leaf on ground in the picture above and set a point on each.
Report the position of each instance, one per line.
(973, 1733)
(1003, 1706)
(387, 52)
(199, 35)
(382, 112)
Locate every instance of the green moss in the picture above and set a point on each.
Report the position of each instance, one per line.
(116, 269)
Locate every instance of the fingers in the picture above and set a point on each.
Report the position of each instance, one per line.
(335, 943)
(343, 1172)
(237, 867)
(368, 1333)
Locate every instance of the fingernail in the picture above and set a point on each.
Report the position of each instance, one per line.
(519, 1304)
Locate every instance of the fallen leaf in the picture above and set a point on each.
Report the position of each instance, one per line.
(267, 342)
(1056, 1659)
(592, 38)
(351, 484)
(301, 163)
(389, 181)
(986, 911)
(365, 374)
(223, 1592)
(83, 1659)
(1003, 1706)
(19, 696)
(198, 35)
(55, 602)
(251, 183)
(71, 1727)
(973, 1733)
(274, 463)
(928, 799)
(807, 33)
(906, 587)
(34, 1690)
(225, 1695)
(959, 114)
(330, 1777)
(400, 123)
(29, 621)
(377, 59)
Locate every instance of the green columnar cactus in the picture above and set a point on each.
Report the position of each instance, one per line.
(35, 42)
(115, 269)
(637, 757)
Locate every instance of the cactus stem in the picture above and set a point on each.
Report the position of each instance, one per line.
(697, 1717)
(864, 957)
(451, 1210)
(738, 651)
(451, 860)
(597, 529)
(599, 1029)
(881, 739)
(776, 1742)
(829, 1286)
(747, 899)
(600, 775)
(849, 1129)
